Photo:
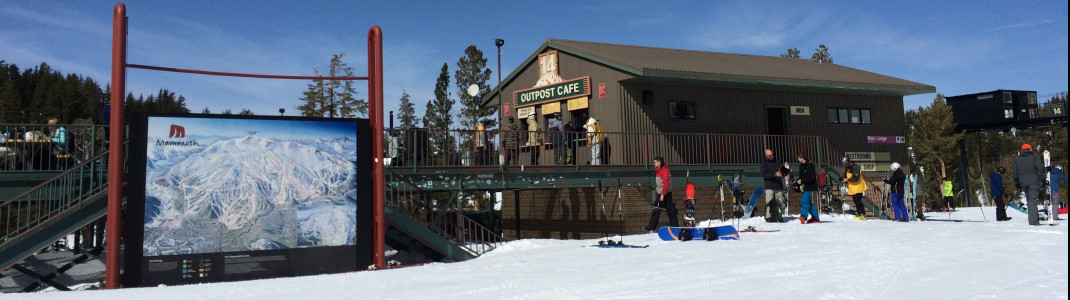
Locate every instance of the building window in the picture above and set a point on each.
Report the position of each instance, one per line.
(648, 97)
(682, 110)
(849, 116)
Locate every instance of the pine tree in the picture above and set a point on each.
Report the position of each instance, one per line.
(933, 139)
(471, 69)
(407, 113)
(791, 53)
(332, 97)
(438, 116)
(821, 55)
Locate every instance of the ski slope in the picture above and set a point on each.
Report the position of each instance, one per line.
(842, 259)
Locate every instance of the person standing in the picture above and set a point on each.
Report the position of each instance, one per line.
(949, 194)
(895, 183)
(1056, 176)
(808, 180)
(510, 137)
(594, 140)
(533, 139)
(570, 143)
(997, 191)
(774, 185)
(856, 185)
(481, 144)
(1028, 176)
(557, 138)
(663, 198)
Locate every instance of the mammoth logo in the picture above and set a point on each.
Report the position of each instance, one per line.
(177, 131)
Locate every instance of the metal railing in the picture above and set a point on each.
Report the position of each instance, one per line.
(445, 148)
(53, 197)
(37, 147)
(416, 203)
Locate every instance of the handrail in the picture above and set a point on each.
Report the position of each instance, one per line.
(53, 197)
(458, 228)
(421, 148)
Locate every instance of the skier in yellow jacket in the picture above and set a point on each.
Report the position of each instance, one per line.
(856, 184)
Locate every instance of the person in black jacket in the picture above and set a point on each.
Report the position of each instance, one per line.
(808, 181)
(774, 185)
(1027, 176)
(896, 188)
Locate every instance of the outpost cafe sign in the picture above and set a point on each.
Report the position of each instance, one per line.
(551, 87)
(578, 87)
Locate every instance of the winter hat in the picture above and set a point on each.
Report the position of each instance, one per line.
(1026, 147)
(895, 166)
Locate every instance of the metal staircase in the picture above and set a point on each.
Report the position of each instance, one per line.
(439, 233)
(38, 217)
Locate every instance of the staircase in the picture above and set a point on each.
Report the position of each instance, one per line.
(38, 217)
(438, 233)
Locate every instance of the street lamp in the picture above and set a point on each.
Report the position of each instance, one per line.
(501, 105)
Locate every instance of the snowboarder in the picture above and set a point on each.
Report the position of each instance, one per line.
(1056, 176)
(1027, 177)
(856, 185)
(896, 189)
(663, 199)
(808, 180)
(997, 192)
(774, 186)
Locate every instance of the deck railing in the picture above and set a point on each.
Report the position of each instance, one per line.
(38, 147)
(418, 148)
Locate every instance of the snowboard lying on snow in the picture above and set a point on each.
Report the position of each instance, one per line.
(726, 232)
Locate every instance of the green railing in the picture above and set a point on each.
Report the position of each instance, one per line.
(54, 197)
(37, 147)
(417, 148)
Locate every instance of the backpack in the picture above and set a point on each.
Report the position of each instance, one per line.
(775, 213)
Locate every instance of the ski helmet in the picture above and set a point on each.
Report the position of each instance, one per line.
(1001, 170)
(895, 166)
(845, 160)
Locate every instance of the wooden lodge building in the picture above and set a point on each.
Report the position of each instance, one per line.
(649, 90)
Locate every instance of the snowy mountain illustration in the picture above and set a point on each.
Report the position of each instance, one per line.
(323, 225)
(248, 188)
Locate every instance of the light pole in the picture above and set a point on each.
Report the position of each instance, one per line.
(501, 105)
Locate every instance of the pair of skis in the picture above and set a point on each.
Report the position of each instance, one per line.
(608, 242)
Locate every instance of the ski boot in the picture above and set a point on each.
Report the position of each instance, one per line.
(689, 213)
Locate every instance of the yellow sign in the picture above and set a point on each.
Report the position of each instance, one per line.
(552, 107)
(577, 103)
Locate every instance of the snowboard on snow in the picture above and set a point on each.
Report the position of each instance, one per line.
(758, 191)
(726, 232)
(1018, 208)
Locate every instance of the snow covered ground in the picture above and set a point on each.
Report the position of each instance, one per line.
(842, 259)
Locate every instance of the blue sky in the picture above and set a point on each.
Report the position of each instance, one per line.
(960, 47)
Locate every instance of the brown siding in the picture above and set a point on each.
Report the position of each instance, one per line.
(576, 213)
(742, 111)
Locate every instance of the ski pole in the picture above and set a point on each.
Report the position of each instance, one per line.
(620, 212)
(605, 222)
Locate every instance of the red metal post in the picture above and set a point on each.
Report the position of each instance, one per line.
(375, 114)
(115, 154)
